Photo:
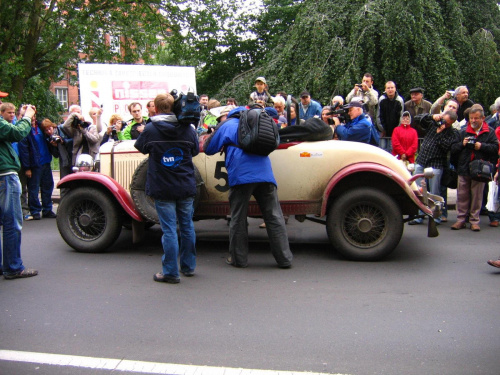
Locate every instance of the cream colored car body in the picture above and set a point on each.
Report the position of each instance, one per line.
(362, 191)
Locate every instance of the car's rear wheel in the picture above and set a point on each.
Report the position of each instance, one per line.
(145, 204)
(88, 220)
(364, 224)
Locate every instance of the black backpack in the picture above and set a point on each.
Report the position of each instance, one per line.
(257, 132)
(187, 108)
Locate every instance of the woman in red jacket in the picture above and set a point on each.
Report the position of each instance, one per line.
(405, 140)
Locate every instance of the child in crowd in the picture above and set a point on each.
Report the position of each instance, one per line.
(261, 95)
(405, 140)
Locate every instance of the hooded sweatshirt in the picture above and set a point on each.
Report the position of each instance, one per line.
(171, 147)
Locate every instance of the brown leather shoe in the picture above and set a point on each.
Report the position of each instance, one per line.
(475, 227)
(494, 263)
(494, 223)
(458, 225)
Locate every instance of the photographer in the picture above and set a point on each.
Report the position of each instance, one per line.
(365, 92)
(439, 136)
(86, 137)
(359, 129)
(477, 141)
(114, 131)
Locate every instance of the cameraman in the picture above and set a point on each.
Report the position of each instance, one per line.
(86, 136)
(359, 129)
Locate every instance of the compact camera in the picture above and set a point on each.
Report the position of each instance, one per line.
(471, 141)
(55, 138)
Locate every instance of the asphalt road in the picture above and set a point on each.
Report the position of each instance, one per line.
(430, 308)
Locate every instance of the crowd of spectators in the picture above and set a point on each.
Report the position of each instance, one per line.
(418, 132)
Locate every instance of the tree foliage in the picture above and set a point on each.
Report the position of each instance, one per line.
(435, 44)
(42, 38)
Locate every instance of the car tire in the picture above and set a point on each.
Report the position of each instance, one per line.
(89, 220)
(145, 204)
(364, 224)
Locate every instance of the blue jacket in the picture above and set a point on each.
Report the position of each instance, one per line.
(242, 167)
(33, 149)
(357, 130)
(171, 147)
(314, 109)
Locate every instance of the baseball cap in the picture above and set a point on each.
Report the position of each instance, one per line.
(262, 79)
(354, 103)
(3, 94)
(304, 93)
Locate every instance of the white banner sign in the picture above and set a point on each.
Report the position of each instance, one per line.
(115, 86)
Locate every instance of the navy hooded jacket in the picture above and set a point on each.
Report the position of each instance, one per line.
(171, 147)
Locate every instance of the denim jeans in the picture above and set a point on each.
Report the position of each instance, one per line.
(386, 144)
(11, 218)
(433, 185)
(41, 181)
(170, 212)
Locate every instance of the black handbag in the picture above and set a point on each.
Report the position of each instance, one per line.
(449, 178)
(481, 170)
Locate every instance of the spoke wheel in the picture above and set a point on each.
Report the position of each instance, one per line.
(364, 224)
(88, 220)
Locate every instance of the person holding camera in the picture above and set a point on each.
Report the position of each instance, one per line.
(86, 136)
(358, 129)
(477, 142)
(114, 132)
(439, 136)
(11, 214)
(365, 93)
(35, 159)
(171, 182)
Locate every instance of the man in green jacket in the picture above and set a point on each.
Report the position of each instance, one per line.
(11, 214)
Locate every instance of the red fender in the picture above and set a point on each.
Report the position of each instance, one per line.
(121, 195)
(377, 168)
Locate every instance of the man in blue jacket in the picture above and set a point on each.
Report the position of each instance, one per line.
(171, 183)
(249, 174)
(359, 128)
(308, 108)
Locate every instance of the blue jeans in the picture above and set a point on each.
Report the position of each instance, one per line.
(41, 181)
(433, 185)
(170, 212)
(386, 144)
(11, 219)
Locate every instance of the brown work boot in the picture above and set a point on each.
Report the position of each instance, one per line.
(458, 225)
(475, 227)
(494, 223)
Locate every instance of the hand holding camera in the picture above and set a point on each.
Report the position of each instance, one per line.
(28, 110)
(55, 140)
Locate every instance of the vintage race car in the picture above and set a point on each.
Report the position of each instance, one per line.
(361, 193)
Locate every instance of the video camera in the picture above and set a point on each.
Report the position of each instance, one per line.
(338, 111)
(471, 142)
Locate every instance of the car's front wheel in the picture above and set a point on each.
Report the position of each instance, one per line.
(88, 220)
(364, 224)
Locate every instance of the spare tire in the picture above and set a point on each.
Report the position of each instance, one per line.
(145, 204)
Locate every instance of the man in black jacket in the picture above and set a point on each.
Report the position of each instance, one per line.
(171, 183)
(477, 141)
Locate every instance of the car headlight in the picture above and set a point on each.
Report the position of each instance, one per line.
(84, 163)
